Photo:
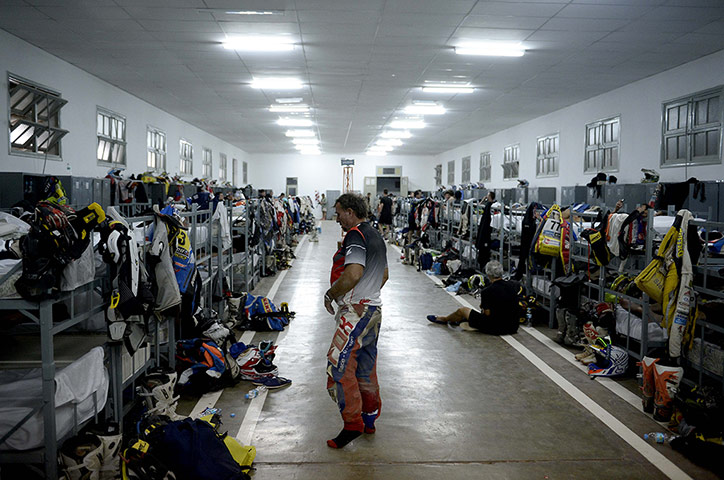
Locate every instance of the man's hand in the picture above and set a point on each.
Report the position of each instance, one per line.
(328, 304)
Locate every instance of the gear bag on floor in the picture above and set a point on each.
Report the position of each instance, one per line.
(263, 316)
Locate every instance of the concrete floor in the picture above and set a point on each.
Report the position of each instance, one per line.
(456, 404)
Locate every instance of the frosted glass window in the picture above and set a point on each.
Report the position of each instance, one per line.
(602, 145)
(186, 156)
(111, 134)
(155, 149)
(511, 161)
(485, 167)
(691, 129)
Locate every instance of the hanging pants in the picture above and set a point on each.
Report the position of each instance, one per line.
(352, 364)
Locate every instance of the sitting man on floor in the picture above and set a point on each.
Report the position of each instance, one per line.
(499, 309)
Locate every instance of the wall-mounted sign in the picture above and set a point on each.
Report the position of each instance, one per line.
(347, 162)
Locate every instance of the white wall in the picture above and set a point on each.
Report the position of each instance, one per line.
(84, 93)
(638, 104)
(324, 172)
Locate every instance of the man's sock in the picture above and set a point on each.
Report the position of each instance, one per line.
(344, 437)
(369, 421)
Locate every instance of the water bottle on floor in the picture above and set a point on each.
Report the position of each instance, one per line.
(255, 392)
(659, 437)
(528, 317)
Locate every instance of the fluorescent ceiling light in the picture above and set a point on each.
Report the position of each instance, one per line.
(300, 133)
(443, 88)
(425, 109)
(289, 100)
(254, 12)
(407, 124)
(259, 44)
(395, 142)
(295, 122)
(496, 49)
(396, 134)
(380, 148)
(278, 83)
(289, 108)
(305, 141)
(376, 153)
(310, 151)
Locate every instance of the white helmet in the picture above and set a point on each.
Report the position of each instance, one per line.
(610, 361)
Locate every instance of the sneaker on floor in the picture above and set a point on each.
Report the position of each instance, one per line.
(433, 319)
(272, 382)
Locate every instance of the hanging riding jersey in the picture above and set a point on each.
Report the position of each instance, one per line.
(364, 246)
(182, 254)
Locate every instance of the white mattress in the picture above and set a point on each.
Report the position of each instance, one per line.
(74, 386)
(623, 317)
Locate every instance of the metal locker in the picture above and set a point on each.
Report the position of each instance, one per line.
(520, 195)
(592, 197)
(575, 194)
(508, 196)
(706, 203)
(11, 189)
(544, 195)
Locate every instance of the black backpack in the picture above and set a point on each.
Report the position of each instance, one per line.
(194, 450)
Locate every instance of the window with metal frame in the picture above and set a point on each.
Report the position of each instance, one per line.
(111, 132)
(465, 177)
(244, 172)
(207, 164)
(485, 167)
(602, 145)
(451, 172)
(186, 155)
(692, 130)
(34, 126)
(511, 161)
(222, 167)
(547, 156)
(156, 149)
(438, 174)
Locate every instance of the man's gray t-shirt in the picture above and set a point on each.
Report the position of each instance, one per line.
(364, 246)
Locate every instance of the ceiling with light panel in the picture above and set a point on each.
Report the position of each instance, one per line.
(362, 64)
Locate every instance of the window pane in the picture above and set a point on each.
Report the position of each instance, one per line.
(681, 147)
(701, 109)
(99, 121)
(713, 114)
(671, 149)
(700, 144)
(712, 142)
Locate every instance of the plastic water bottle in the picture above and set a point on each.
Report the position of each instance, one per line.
(528, 317)
(659, 437)
(255, 392)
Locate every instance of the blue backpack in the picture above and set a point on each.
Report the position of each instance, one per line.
(426, 261)
(263, 316)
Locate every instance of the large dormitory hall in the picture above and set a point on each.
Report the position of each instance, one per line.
(361, 239)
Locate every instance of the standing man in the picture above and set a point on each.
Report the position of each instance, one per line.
(385, 213)
(359, 271)
(323, 204)
(368, 199)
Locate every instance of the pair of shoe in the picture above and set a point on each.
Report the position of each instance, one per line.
(272, 382)
(433, 319)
